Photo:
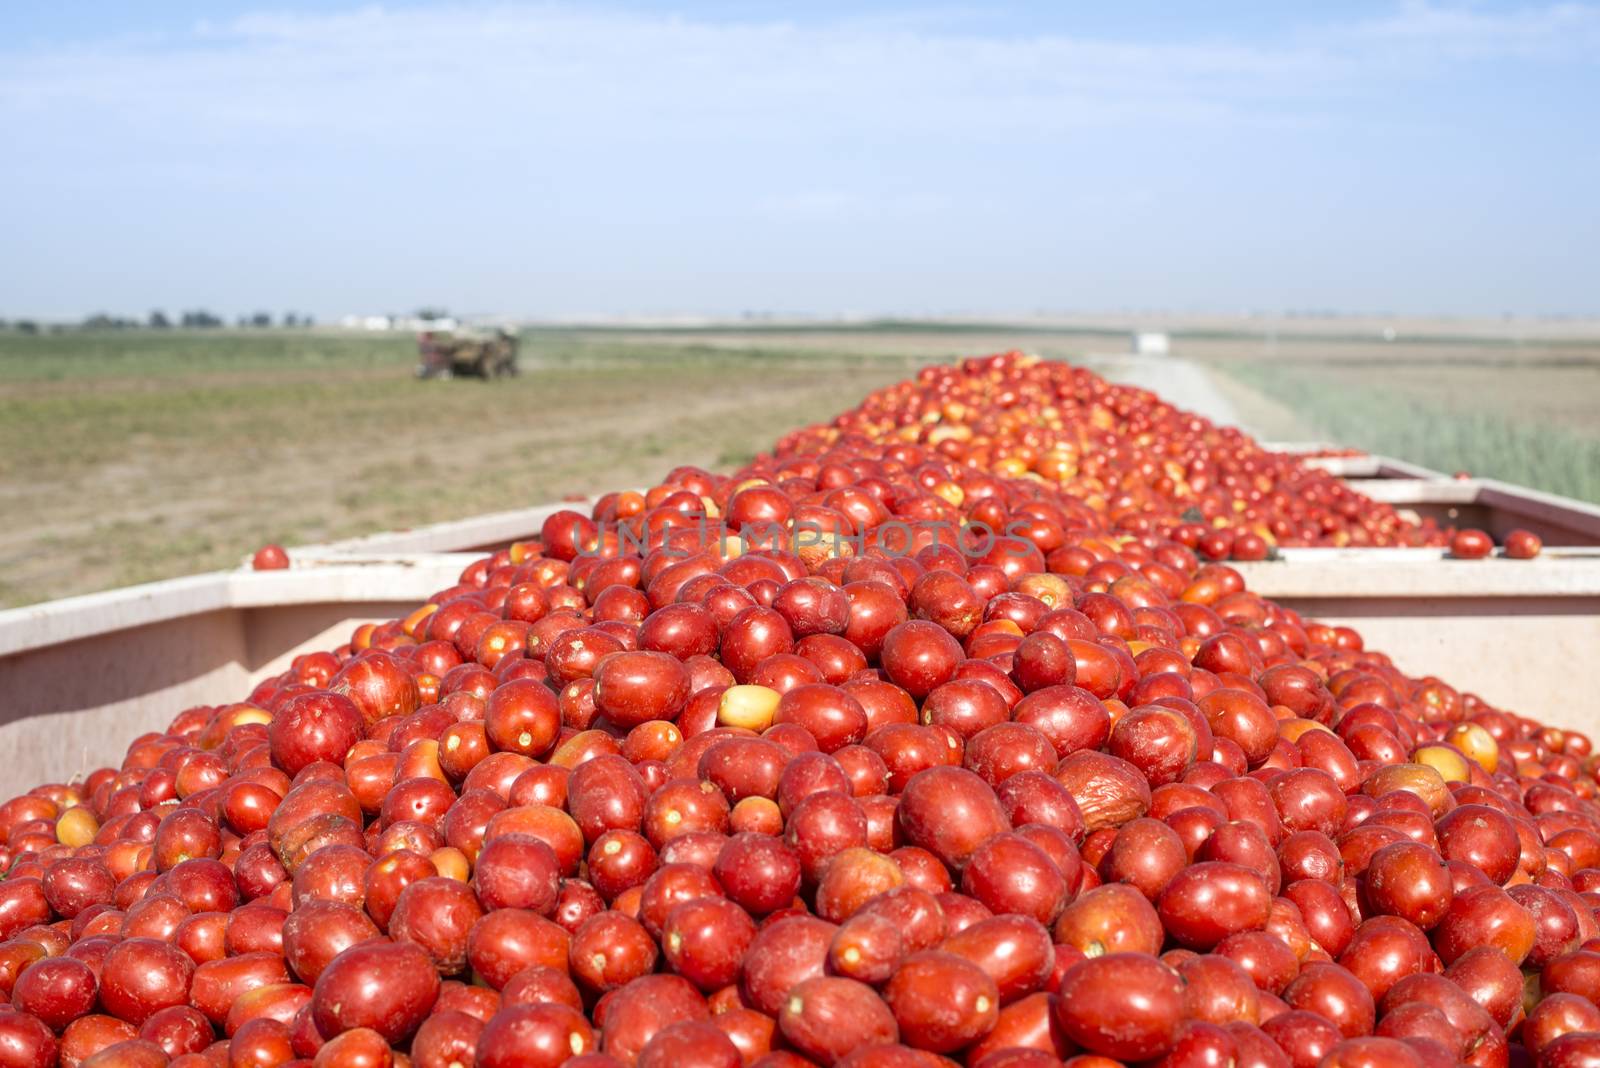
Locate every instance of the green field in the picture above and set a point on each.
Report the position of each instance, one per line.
(1532, 424)
(81, 357)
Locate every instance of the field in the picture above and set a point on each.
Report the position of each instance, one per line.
(130, 457)
(1527, 413)
(126, 457)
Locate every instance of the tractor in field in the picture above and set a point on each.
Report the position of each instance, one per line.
(462, 354)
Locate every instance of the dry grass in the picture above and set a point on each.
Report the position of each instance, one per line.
(126, 458)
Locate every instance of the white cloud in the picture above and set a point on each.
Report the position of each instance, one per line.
(1419, 29)
(566, 72)
(476, 66)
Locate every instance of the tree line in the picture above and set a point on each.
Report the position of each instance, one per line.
(197, 319)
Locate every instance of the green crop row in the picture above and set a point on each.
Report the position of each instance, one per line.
(1515, 446)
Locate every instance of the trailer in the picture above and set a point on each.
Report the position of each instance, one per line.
(462, 355)
(84, 675)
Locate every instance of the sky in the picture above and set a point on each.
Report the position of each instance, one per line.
(558, 160)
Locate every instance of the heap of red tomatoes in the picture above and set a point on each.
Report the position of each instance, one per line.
(1140, 463)
(674, 786)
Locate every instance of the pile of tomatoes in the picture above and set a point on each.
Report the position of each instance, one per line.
(1139, 462)
(673, 786)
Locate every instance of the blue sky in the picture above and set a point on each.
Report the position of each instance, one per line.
(590, 159)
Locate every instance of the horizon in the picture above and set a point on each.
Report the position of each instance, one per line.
(711, 160)
(1551, 334)
(1087, 318)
